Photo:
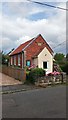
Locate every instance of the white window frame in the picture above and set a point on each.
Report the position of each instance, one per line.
(19, 60)
(47, 65)
(14, 60)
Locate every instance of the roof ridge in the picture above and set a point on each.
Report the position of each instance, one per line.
(26, 41)
(30, 43)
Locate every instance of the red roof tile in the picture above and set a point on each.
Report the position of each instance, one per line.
(32, 48)
(19, 49)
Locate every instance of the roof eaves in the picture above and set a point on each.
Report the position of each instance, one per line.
(11, 52)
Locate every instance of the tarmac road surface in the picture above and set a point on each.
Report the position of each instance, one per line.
(38, 103)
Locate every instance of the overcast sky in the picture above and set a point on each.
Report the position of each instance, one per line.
(22, 20)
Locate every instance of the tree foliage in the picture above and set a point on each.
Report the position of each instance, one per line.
(62, 61)
(59, 57)
(67, 57)
(0, 57)
(4, 59)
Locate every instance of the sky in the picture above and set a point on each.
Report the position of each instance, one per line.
(22, 20)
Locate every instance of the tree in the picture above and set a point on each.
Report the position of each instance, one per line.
(65, 66)
(4, 58)
(59, 57)
(67, 57)
(0, 57)
(61, 61)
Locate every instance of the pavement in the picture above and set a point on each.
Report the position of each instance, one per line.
(16, 88)
(11, 85)
(37, 103)
(6, 80)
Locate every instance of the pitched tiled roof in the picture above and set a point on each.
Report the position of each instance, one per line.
(20, 48)
(32, 48)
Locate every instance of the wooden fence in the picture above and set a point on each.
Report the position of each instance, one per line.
(17, 73)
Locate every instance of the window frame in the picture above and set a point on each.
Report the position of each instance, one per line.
(45, 65)
(28, 61)
(15, 60)
(19, 60)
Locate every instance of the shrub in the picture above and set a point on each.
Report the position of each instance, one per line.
(65, 68)
(34, 74)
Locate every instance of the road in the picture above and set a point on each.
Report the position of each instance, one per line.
(38, 103)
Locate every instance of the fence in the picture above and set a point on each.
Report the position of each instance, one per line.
(17, 73)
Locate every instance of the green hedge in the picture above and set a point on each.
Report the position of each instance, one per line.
(34, 74)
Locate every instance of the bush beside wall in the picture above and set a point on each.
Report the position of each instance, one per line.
(34, 74)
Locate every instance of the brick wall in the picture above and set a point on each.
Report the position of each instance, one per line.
(16, 73)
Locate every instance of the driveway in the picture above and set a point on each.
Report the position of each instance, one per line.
(6, 80)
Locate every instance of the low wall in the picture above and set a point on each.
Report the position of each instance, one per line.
(17, 73)
(55, 78)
